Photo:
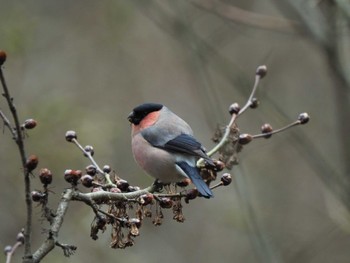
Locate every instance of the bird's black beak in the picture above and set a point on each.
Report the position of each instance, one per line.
(131, 117)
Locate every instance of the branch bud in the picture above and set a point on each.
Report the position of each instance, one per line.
(37, 196)
(70, 135)
(245, 138)
(3, 57)
(87, 180)
(123, 185)
(106, 169)
(20, 237)
(32, 162)
(234, 108)
(29, 124)
(72, 176)
(254, 103)
(146, 199)
(261, 71)
(89, 149)
(7, 249)
(266, 128)
(45, 176)
(303, 118)
(226, 179)
(91, 170)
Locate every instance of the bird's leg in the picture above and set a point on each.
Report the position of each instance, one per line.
(159, 185)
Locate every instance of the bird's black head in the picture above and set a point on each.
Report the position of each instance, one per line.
(142, 111)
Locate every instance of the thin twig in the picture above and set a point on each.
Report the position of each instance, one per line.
(7, 123)
(222, 141)
(252, 94)
(90, 202)
(27, 188)
(261, 135)
(233, 119)
(9, 254)
(68, 250)
(88, 155)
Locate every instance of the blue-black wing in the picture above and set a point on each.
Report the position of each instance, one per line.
(187, 144)
(196, 179)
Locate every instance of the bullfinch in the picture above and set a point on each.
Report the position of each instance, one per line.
(164, 146)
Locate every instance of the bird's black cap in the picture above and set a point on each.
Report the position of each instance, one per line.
(141, 111)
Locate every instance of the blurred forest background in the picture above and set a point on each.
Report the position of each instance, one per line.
(83, 65)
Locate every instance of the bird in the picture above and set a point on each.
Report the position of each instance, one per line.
(163, 145)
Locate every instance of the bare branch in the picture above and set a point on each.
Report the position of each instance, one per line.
(27, 188)
(103, 196)
(57, 222)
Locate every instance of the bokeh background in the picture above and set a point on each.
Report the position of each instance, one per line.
(83, 65)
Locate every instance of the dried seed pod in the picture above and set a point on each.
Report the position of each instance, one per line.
(134, 230)
(101, 222)
(177, 210)
(135, 221)
(147, 213)
(70, 135)
(45, 176)
(157, 221)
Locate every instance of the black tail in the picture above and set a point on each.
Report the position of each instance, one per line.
(196, 179)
